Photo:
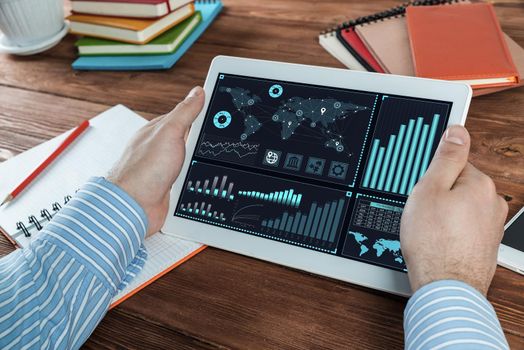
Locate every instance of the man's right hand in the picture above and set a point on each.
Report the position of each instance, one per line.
(453, 221)
(153, 159)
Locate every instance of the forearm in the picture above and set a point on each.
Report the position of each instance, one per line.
(56, 291)
(450, 315)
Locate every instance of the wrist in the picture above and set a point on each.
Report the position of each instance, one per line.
(125, 186)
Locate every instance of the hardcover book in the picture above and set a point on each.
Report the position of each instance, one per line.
(164, 44)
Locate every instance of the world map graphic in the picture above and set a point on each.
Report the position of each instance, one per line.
(380, 246)
(318, 115)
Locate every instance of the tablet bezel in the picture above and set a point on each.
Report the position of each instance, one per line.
(333, 266)
(509, 257)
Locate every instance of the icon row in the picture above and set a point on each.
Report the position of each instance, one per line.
(314, 166)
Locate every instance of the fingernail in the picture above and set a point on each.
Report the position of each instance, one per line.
(456, 135)
(197, 90)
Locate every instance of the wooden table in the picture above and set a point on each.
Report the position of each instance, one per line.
(220, 299)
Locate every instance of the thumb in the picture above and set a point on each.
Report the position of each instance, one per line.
(450, 158)
(183, 115)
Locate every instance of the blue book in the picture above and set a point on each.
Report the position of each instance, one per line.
(209, 10)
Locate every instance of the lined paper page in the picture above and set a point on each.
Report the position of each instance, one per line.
(92, 154)
(164, 253)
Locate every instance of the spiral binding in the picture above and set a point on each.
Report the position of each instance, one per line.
(33, 223)
(393, 12)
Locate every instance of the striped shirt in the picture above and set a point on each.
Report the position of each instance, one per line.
(55, 292)
(450, 314)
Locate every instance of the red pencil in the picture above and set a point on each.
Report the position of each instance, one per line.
(68, 141)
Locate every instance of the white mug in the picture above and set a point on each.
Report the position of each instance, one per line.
(29, 22)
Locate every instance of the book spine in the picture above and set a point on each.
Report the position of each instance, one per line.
(9, 238)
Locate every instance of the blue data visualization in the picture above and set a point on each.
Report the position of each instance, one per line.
(306, 131)
(264, 205)
(373, 232)
(318, 221)
(403, 146)
(322, 168)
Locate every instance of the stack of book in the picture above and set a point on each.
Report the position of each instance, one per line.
(137, 34)
(440, 39)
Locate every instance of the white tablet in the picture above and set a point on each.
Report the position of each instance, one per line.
(310, 167)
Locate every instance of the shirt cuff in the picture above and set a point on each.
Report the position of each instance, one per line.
(453, 315)
(103, 228)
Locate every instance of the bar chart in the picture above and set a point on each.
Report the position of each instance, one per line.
(320, 222)
(224, 190)
(202, 209)
(289, 211)
(287, 197)
(396, 163)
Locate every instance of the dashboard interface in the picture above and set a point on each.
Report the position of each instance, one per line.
(322, 168)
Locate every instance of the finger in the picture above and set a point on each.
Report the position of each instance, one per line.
(183, 115)
(450, 159)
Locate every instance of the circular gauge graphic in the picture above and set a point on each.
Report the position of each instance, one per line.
(276, 91)
(222, 119)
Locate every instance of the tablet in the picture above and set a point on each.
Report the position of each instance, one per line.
(310, 167)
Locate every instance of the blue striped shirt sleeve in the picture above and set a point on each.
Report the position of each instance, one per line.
(451, 315)
(54, 292)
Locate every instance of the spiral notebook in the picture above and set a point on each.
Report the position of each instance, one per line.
(91, 155)
(350, 37)
(392, 51)
(332, 45)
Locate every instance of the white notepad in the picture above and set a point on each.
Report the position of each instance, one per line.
(92, 154)
(332, 45)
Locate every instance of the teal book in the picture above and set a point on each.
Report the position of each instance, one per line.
(165, 43)
(209, 9)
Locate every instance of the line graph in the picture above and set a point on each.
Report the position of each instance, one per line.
(240, 149)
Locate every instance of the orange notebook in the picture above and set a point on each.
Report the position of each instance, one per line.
(462, 43)
(131, 30)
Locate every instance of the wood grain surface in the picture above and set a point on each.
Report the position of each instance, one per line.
(223, 300)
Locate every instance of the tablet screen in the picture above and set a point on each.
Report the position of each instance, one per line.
(322, 168)
(514, 234)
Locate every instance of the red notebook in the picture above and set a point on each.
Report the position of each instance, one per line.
(356, 46)
(462, 43)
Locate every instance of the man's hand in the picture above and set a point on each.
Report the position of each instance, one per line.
(153, 159)
(453, 221)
